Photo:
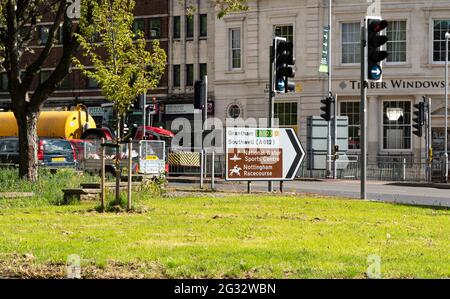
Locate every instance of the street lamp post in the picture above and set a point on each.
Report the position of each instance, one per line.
(447, 37)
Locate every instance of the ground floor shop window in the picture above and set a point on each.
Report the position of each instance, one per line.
(396, 125)
(287, 113)
(439, 140)
(351, 110)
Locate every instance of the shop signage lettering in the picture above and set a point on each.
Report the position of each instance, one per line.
(396, 84)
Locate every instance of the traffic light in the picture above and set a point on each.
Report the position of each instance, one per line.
(375, 41)
(198, 94)
(284, 66)
(326, 108)
(419, 120)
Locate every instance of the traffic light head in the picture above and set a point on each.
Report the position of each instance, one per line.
(326, 108)
(375, 41)
(376, 25)
(198, 94)
(419, 119)
(284, 63)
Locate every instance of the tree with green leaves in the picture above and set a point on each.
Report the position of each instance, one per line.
(19, 20)
(22, 64)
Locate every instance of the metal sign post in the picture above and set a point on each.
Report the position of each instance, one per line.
(363, 112)
(447, 37)
(213, 186)
(271, 94)
(205, 119)
(428, 138)
(334, 135)
(144, 118)
(430, 149)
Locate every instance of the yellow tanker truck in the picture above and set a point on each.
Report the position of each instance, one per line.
(58, 124)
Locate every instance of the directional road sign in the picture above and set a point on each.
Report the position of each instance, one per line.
(257, 154)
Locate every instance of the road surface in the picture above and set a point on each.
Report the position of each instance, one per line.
(377, 191)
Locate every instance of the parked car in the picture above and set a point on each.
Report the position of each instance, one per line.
(9, 151)
(52, 152)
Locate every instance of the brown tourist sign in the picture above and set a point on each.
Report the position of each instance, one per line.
(255, 154)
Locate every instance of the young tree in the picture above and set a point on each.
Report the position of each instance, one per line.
(18, 20)
(122, 66)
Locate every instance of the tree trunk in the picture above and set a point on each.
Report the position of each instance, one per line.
(28, 144)
(117, 160)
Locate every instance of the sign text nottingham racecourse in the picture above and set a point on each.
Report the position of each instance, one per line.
(254, 154)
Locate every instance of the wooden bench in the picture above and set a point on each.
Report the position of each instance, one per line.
(80, 194)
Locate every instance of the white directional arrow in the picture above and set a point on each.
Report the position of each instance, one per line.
(294, 154)
(376, 72)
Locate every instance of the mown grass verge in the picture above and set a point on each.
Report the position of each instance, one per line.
(217, 236)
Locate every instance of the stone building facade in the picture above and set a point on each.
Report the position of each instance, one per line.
(414, 69)
(191, 48)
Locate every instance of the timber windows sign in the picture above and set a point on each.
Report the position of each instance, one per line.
(394, 84)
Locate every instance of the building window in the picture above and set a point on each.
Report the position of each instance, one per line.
(189, 26)
(154, 26)
(396, 45)
(203, 70)
(65, 83)
(351, 110)
(91, 83)
(286, 31)
(235, 48)
(176, 27)
(286, 113)
(351, 40)
(203, 25)
(189, 74)
(43, 76)
(139, 27)
(396, 125)
(441, 27)
(438, 136)
(3, 82)
(176, 75)
(43, 34)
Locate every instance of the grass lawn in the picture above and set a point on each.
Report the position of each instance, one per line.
(220, 235)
